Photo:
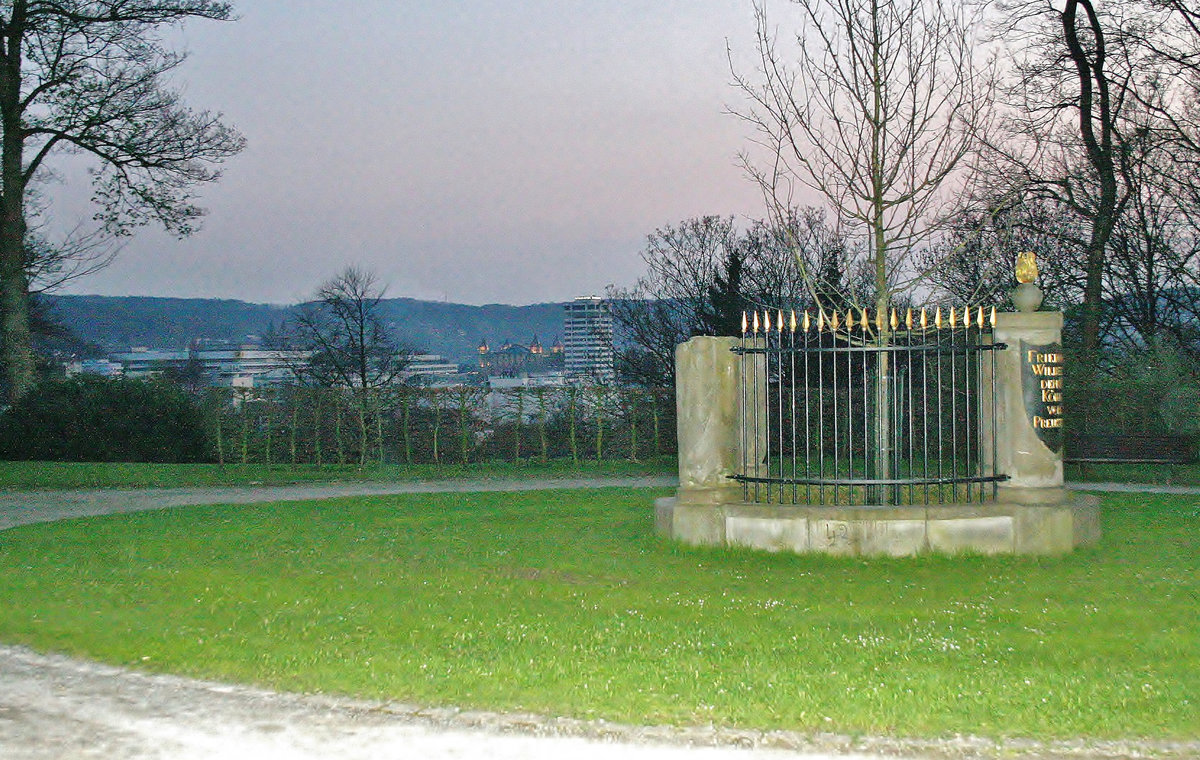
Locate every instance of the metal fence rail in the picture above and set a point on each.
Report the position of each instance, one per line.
(839, 408)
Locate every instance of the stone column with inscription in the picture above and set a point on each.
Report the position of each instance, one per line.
(1029, 424)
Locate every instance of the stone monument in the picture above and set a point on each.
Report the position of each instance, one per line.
(1032, 513)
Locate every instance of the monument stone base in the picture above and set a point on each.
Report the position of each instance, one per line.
(981, 528)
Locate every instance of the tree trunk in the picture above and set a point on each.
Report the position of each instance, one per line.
(406, 424)
(879, 248)
(1095, 110)
(17, 350)
(517, 426)
(317, 426)
(542, 439)
(363, 423)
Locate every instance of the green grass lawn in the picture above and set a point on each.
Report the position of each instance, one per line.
(25, 476)
(565, 603)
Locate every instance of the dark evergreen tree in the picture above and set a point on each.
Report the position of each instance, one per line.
(721, 313)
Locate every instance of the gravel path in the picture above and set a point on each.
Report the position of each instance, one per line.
(56, 708)
(25, 507)
(59, 708)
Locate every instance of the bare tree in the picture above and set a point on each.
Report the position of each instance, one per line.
(666, 305)
(90, 77)
(973, 263)
(1103, 105)
(875, 106)
(1166, 34)
(348, 343)
(1066, 94)
(1152, 276)
(689, 287)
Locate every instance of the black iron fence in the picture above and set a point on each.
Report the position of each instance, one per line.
(841, 408)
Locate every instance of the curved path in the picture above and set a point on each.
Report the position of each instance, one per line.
(25, 507)
(60, 708)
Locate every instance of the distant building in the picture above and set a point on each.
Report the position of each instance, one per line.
(238, 367)
(422, 369)
(518, 360)
(141, 362)
(101, 367)
(251, 366)
(588, 339)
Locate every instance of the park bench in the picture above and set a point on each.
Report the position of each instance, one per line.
(1123, 448)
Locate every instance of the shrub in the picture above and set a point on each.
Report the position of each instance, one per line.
(104, 420)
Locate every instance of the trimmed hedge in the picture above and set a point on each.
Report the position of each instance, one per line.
(89, 419)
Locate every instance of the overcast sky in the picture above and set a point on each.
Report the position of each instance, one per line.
(475, 151)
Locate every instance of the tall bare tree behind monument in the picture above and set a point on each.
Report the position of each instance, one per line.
(90, 77)
(1101, 116)
(874, 106)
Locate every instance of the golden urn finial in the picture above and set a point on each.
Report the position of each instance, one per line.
(1027, 270)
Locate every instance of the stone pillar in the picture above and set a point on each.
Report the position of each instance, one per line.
(706, 401)
(1029, 420)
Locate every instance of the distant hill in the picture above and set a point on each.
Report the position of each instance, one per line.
(114, 323)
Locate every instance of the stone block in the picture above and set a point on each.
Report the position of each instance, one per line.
(699, 525)
(986, 535)
(833, 536)
(1044, 530)
(774, 534)
(893, 538)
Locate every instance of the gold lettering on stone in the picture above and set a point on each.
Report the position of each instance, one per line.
(1042, 378)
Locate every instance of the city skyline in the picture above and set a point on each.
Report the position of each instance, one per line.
(485, 153)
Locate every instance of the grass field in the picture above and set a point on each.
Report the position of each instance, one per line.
(564, 603)
(25, 476)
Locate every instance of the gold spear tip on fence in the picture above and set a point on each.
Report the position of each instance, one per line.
(779, 322)
(937, 318)
(967, 315)
(979, 312)
(792, 323)
(924, 319)
(865, 323)
(908, 319)
(1027, 270)
(833, 325)
(820, 320)
(766, 321)
(880, 316)
(895, 320)
(744, 323)
(953, 318)
(993, 316)
(755, 325)
(807, 321)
